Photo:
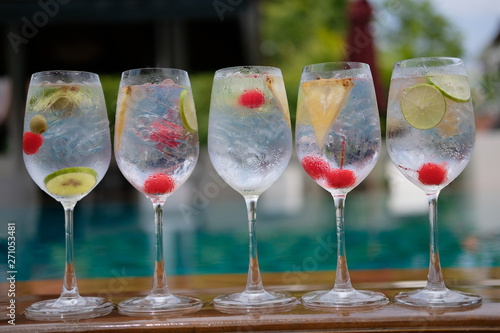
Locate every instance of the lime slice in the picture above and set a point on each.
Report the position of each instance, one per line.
(324, 100)
(455, 87)
(279, 93)
(188, 111)
(423, 106)
(71, 181)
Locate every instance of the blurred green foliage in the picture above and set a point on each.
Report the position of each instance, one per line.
(201, 84)
(416, 30)
(296, 33)
(410, 29)
(110, 85)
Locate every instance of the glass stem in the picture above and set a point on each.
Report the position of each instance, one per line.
(342, 279)
(160, 286)
(70, 289)
(435, 279)
(254, 279)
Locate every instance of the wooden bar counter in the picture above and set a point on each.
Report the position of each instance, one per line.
(388, 318)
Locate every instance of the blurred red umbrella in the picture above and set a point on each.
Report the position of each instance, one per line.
(360, 43)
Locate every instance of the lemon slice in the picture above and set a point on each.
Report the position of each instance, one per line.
(423, 106)
(279, 93)
(122, 105)
(62, 98)
(455, 87)
(188, 111)
(324, 100)
(71, 181)
(449, 125)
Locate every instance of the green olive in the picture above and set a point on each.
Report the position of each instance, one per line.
(38, 124)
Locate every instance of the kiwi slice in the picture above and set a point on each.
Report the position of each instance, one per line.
(69, 182)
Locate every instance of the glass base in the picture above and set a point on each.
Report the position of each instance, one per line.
(69, 309)
(437, 298)
(327, 299)
(259, 302)
(159, 305)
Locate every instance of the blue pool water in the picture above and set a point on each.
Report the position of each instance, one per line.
(206, 232)
(205, 228)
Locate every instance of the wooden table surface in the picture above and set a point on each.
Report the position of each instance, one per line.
(388, 318)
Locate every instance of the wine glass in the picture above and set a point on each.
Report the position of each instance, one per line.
(67, 150)
(156, 149)
(430, 139)
(250, 144)
(338, 142)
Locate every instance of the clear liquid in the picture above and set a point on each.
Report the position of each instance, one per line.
(449, 144)
(353, 141)
(249, 147)
(76, 135)
(150, 136)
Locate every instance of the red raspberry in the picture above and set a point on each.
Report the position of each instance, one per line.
(432, 174)
(315, 166)
(252, 99)
(159, 183)
(166, 134)
(32, 143)
(340, 178)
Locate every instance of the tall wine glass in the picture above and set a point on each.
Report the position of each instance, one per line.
(250, 144)
(156, 148)
(430, 139)
(338, 142)
(67, 149)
